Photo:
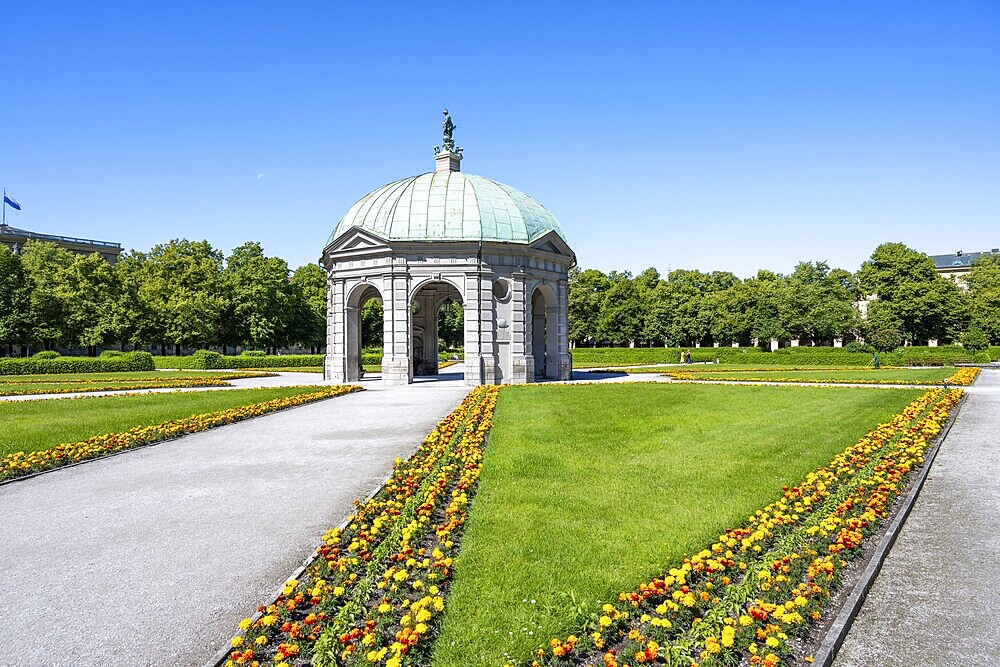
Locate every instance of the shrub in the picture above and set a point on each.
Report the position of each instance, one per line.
(131, 361)
(994, 353)
(974, 340)
(108, 354)
(253, 353)
(855, 346)
(982, 358)
(207, 359)
(47, 354)
(884, 340)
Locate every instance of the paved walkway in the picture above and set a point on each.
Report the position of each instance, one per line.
(152, 557)
(935, 601)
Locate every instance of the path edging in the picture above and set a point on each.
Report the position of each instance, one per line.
(21, 478)
(222, 655)
(835, 636)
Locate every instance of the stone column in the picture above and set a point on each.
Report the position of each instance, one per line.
(565, 360)
(522, 362)
(397, 365)
(736, 343)
(838, 342)
(336, 338)
(480, 358)
(775, 344)
(795, 342)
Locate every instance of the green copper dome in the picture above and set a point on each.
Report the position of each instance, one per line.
(449, 206)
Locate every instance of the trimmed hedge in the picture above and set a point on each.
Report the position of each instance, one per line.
(128, 362)
(787, 356)
(208, 360)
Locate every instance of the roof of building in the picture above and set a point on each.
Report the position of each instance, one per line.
(959, 259)
(14, 232)
(449, 206)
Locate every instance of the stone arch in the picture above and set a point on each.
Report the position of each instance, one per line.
(355, 301)
(425, 302)
(543, 309)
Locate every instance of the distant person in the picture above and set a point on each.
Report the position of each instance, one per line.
(875, 359)
(687, 357)
(683, 352)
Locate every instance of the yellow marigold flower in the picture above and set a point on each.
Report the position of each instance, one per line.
(237, 641)
(245, 624)
(605, 621)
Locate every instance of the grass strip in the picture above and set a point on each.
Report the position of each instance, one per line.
(744, 598)
(960, 377)
(47, 384)
(20, 463)
(320, 616)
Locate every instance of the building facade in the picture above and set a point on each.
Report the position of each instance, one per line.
(15, 238)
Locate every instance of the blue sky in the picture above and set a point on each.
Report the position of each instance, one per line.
(718, 136)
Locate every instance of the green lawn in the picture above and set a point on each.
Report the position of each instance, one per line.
(35, 425)
(935, 375)
(99, 381)
(589, 490)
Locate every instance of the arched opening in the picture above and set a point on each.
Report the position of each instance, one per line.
(365, 331)
(437, 338)
(544, 333)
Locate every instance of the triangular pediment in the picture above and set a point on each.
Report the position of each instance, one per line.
(552, 242)
(356, 240)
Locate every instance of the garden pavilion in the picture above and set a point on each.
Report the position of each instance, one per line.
(421, 243)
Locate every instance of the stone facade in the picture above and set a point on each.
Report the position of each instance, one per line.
(515, 298)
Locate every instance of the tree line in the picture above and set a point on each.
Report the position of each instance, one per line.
(187, 294)
(181, 294)
(905, 299)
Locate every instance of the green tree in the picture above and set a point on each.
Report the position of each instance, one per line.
(451, 326)
(882, 327)
(46, 266)
(308, 323)
(182, 287)
(587, 290)
(372, 323)
(15, 300)
(906, 282)
(624, 312)
(260, 296)
(984, 291)
(90, 296)
(817, 302)
(132, 321)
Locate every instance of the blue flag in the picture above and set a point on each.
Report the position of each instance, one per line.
(7, 199)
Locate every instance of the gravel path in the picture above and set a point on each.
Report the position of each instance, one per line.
(936, 599)
(152, 557)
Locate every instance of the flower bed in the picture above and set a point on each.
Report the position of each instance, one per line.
(77, 385)
(376, 589)
(743, 599)
(963, 377)
(19, 464)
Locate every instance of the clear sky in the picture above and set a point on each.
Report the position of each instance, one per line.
(718, 136)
